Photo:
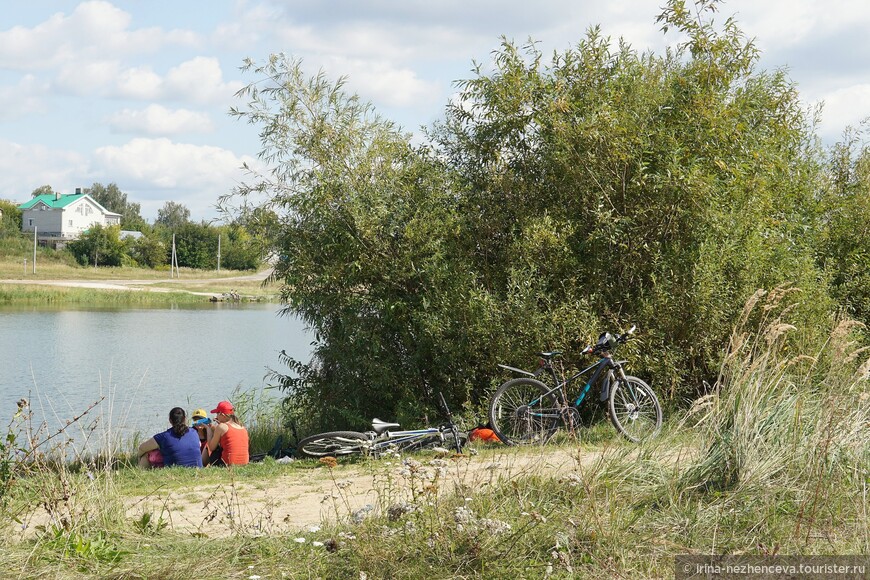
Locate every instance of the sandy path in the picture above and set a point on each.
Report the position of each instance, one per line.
(306, 498)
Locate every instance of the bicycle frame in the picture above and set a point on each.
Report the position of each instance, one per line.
(381, 441)
(530, 409)
(605, 363)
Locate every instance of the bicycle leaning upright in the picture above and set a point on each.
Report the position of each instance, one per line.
(526, 410)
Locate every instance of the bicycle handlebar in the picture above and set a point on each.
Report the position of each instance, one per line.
(607, 345)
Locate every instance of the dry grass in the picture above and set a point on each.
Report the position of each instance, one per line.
(779, 462)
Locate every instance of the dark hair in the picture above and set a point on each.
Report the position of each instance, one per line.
(178, 420)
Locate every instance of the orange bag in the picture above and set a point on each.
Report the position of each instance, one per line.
(483, 434)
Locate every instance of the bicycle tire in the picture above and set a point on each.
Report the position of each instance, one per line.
(332, 444)
(634, 409)
(514, 420)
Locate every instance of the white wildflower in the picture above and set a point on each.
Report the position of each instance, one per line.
(299, 540)
(494, 526)
(463, 515)
(573, 480)
(412, 464)
(362, 513)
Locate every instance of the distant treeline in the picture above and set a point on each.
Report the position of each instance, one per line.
(196, 244)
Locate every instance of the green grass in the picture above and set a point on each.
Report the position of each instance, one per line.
(776, 460)
(190, 287)
(28, 295)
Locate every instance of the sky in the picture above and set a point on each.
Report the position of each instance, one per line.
(137, 93)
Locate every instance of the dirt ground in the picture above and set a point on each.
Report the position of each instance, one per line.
(306, 499)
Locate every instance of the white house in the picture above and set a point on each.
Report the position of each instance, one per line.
(61, 218)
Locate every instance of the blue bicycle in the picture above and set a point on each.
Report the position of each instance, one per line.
(526, 410)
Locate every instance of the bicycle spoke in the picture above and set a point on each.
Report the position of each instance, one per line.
(521, 413)
(634, 409)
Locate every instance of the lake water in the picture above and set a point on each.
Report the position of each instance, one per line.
(143, 361)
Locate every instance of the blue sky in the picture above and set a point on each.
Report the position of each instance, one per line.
(137, 92)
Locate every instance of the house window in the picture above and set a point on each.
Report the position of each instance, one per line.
(30, 222)
(70, 223)
(89, 210)
(79, 209)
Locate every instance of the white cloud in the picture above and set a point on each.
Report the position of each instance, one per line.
(92, 31)
(139, 83)
(168, 165)
(158, 170)
(87, 78)
(23, 168)
(21, 99)
(843, 107)
(157, 120)
(387, 84)
(199, 80)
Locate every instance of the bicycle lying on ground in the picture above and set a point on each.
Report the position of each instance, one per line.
(526, 410)
(385, 437)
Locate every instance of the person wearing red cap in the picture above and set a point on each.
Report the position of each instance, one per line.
(229, 437)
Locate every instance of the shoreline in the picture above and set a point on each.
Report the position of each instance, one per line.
(248, 288)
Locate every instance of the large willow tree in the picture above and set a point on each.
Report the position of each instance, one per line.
(602, 188)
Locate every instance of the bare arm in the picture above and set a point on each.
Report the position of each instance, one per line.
(214, 441)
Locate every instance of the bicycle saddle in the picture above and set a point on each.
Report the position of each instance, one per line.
(381, 426)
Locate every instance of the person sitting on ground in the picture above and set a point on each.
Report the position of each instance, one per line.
(178, 445)
(229, 441)
(202, 424)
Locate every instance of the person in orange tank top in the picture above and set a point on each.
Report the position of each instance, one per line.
(229, 441)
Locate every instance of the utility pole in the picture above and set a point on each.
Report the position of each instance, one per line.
(34, 249)
(173, 267)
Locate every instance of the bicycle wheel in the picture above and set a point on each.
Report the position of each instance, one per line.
(449, 443)
(334, 443)
(634, 409)
(522, 413)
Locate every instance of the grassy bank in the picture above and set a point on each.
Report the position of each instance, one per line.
(58, 266)
(776, 460)
(34, 294)
(30, 288)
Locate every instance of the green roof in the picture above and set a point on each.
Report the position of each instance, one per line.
(49, 200)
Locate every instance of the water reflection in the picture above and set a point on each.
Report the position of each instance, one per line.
(143, 361)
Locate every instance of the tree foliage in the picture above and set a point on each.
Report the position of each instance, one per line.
(10, 218)
(603, 188)
(99, 246)
(173, 215)
(196, 246)
(113, 199)
(844, 248)
(149, 251)
(42, 190)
